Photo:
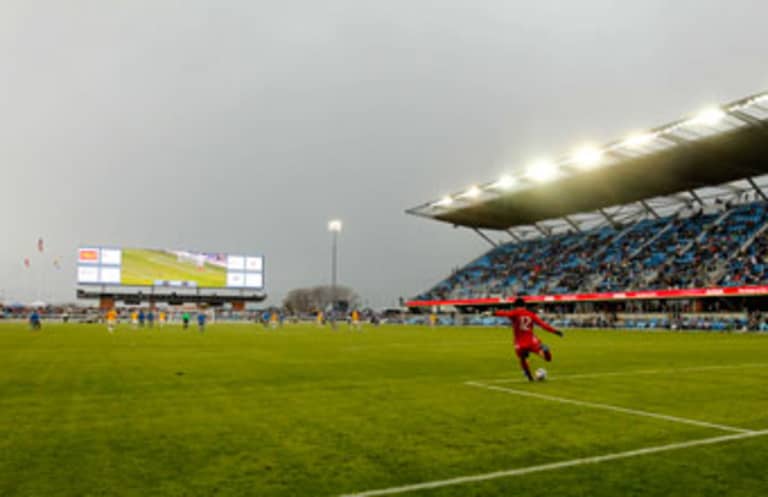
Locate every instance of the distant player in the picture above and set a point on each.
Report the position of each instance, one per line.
(320, 319)
(142, 318)
(151, 318)
(111, 320)
(273, 320)
(265, 319)
(161, 318)
(34, 321)
(134, 319)
(526, 342)
(355, 321)
(185, 320)
(201, 321)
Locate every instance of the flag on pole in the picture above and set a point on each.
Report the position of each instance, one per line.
(40, 244)
(26, 262)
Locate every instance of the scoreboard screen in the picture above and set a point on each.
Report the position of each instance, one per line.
(168, 268)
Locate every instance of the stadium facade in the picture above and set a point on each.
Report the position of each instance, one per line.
(675, 212)
(108, 297)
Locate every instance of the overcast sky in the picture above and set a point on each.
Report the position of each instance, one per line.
(244, 126)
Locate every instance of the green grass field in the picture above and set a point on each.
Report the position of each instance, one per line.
(144, 266)
(241, 411)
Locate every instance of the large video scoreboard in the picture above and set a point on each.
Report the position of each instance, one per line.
(168, 268)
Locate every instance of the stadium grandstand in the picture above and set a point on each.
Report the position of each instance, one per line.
(674, 216)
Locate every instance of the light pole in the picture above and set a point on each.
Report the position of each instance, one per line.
(334, 227)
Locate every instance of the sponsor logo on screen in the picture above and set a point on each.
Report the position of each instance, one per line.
(88, 255)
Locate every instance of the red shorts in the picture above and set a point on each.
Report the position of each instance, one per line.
(528, 345)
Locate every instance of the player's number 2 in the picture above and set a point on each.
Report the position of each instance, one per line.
(526, 323)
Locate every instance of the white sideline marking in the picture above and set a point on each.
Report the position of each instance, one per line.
(635, 372)
(607, 407)
(557, 465)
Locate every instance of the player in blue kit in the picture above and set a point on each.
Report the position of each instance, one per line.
(34, 320)
(201, 321)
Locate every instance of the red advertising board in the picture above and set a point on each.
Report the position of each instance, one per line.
(606, 296)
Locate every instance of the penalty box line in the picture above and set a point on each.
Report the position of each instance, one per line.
(607, 407)
(556, 465)
(606, 374)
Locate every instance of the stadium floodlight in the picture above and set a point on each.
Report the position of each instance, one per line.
(472, 192)
(708, 117)
(443, 202)
(542, 171)
(638, 139)
(334, 226)
(588, 157)
(504, 183)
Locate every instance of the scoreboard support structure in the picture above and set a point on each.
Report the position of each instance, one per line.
(107, 299)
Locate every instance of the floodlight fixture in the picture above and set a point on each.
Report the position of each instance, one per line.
(588, 157)
(708, 117)
(542, 171)
(504, 183)
(639, 139)
(472, 192)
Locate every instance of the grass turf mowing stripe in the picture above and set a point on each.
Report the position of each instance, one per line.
(607, 407)
(557, 465)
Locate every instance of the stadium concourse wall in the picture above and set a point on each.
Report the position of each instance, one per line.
(107, 298)
(670, 294)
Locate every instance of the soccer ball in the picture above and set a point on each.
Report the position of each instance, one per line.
(541, 374)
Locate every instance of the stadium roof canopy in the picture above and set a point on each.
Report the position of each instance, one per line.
(718, 153)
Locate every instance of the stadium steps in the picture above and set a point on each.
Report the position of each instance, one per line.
(719, 273)
(647, 243)
(751, 239)
(596, 279)
(704, 233)
(653, 276)
(574, 248)
(613, 240)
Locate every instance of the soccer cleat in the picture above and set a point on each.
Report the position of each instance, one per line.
(528, 376)
(547, 354)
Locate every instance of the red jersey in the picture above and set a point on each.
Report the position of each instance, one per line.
(523, 322)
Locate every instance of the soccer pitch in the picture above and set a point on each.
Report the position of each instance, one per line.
(145, 266)
(412, 411)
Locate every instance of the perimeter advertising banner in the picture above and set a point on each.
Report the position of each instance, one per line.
(674, 293)
(168, 268)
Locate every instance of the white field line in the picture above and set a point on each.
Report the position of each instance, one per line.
(606, 407)
(557, 465)
(635, 372)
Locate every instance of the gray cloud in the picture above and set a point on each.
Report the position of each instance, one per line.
(245, 126)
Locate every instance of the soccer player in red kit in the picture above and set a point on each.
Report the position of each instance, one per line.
(526, 342)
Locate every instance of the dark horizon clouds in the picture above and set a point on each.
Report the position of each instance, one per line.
(245, 126)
